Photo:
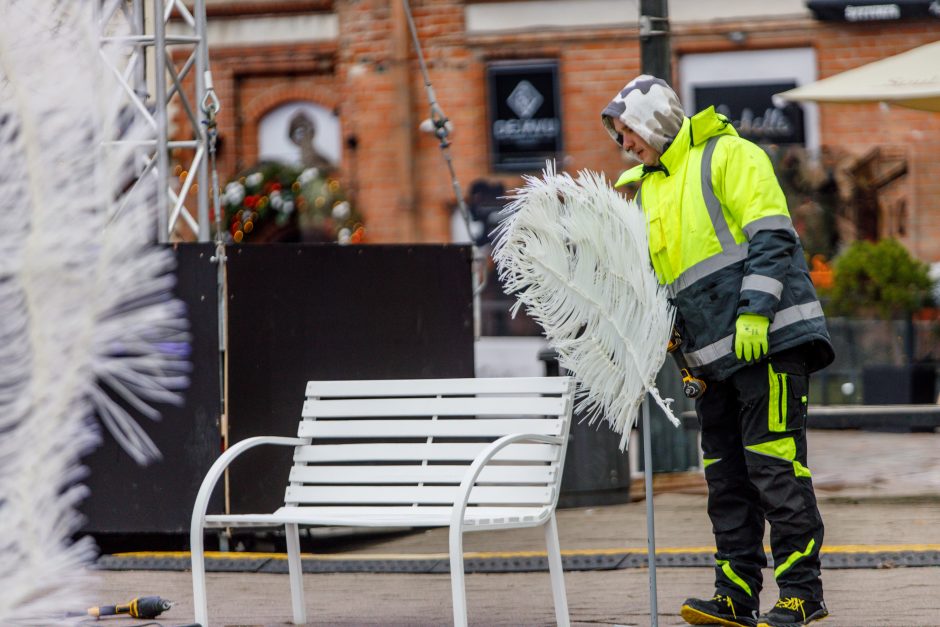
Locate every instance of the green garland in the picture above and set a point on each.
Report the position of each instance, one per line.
(274, 195)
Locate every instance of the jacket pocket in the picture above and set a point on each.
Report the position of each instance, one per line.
(777, 401)
(788, 400)
(659, 255)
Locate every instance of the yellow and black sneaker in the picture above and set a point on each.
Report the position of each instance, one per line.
(719, 610)
(793, 612)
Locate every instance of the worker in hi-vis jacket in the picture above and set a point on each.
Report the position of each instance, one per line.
(752, 328)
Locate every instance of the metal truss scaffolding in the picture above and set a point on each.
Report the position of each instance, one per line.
(178, 84)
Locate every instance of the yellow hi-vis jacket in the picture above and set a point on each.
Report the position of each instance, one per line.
(721, 239)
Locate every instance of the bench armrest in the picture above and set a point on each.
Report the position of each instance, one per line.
(483, 458)
(226, 458)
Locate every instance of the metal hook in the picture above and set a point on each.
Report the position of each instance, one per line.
(210, 102)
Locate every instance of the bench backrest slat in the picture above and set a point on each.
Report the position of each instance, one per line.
(410, 442)
(439, 473)
(431, 495)
(425, 428)
(450, 406)
(423, 387)
(421, 451)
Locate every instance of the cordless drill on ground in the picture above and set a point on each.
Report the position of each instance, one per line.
(692, 387)
(141, 607)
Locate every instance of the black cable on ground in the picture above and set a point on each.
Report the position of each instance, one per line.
(150, 624)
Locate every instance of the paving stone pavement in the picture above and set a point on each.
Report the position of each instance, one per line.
(903, 597)
(875, 489)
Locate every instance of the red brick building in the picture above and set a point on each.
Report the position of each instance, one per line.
(354, 60)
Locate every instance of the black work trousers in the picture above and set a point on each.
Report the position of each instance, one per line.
(754, 446)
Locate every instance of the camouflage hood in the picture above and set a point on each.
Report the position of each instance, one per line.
(650, 108)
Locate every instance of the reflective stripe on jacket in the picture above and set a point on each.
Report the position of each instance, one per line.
(721, 238)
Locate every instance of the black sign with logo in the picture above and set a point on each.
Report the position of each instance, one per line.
(752, 112)
(873, 10)
(524, 115)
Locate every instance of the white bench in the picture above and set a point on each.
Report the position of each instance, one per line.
(469, 454)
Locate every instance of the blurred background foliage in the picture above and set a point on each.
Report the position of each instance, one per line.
(878, 279)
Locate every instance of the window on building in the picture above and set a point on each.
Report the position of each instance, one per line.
(300, 133)
(741, 85)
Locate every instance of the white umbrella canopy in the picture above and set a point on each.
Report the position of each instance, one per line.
(910, 79)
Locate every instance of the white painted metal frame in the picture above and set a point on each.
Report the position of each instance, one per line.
(402, 477)
(175, 196)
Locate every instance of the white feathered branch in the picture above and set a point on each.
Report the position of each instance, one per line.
(86, 314)
(574, 253)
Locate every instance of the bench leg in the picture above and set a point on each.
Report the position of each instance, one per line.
(457, 588)
(296, 573)
(557, 573)
(200, 604)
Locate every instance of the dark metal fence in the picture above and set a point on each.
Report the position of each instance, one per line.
(877, 348)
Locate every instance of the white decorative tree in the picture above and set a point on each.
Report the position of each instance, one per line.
(88, 324)
(574, 253)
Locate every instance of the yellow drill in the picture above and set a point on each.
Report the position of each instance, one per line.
(141, 607)
(692, 387)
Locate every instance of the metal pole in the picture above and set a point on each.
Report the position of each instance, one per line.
(655, 55)
(403, 125)
(160, 114)
(139, 21)
(202, 64)
(655, 59)
(650, 522)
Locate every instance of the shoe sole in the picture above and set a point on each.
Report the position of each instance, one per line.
(696, 617)
(821, 614)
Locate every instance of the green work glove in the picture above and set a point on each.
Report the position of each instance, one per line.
(750, 336)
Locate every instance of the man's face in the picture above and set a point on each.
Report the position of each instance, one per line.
(635, 144)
